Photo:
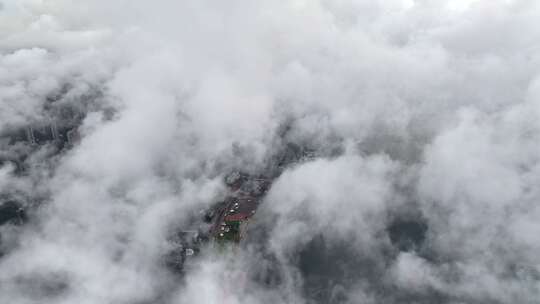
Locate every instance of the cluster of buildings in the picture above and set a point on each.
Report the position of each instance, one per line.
(227, 222)
(232, 217)
(41, 133)
(17, 145)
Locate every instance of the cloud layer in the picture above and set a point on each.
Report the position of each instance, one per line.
(420, 114)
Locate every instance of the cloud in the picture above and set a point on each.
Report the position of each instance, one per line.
(424, 112)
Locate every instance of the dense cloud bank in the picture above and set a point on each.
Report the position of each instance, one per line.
(423, 116)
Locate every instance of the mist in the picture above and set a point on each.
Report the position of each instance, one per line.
(400, 139)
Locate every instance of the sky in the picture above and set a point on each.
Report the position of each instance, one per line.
(424, 112)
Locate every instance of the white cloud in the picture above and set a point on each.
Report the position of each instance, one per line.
(435, 104)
